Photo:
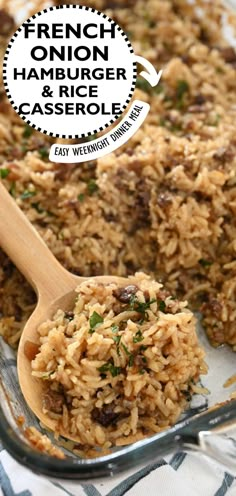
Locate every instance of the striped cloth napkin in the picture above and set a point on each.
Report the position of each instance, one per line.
(176, 475)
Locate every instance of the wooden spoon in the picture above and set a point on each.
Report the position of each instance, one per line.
(55, 288)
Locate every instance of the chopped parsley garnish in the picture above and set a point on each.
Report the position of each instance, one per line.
(143, 85)
(43, 152)
(130, 355)
(51, 214)
(92, 186)
(175, 127)
(116, 339)
(138, 337)
(158, 89)
(37, 207)
(162, 121)
(47, 375)
(110, 367)
(141, 371)
(182, 88)
(131, 361)
(143, 347)
(205, 263)
(12, 189)
(140, 306)
(4, 173)
(81, 197)
(27, 131)
(141, 321)
(170, 126)
(27, 194)
(94, 321)
(125, 349)
(114, 328)
(162, 306)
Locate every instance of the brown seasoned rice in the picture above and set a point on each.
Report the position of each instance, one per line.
(163, 203)
(42, 443)
(121, 365)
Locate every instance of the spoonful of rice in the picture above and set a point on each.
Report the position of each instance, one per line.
(55, 288)
(105, 360)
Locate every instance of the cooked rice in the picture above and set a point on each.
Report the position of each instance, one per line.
(163, 203)
(42, 443)
(120, 366)
(230, 381)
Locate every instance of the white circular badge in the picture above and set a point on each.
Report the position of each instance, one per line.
(69, 71)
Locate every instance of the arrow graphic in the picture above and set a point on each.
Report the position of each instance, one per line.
(151, 75)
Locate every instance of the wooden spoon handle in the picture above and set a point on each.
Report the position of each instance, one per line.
(27, 250)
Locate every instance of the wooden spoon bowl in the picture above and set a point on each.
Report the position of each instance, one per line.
(55, 288)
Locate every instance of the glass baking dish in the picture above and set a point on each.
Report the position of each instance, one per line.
(209, 426)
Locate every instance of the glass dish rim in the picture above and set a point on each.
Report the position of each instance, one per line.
(182, 436)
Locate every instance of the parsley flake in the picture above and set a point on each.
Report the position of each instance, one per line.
(47, 375)
(94, 321)
(27, 194)
(37, 207)
(92, 186)
(27, 131)
(114, 328)
(116, 339)
(131, 361)
(43, 152)
(144, 85)
(143, 347)
(130, 355)
(139, 306)
(81, 197)
(162, 306)
(205, 263)
(4, 173)
(182, 88)
(12, 189)
(125, 349)
(138, 337)
(110, 367)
